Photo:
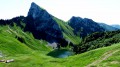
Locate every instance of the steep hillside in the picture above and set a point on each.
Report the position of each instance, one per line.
(106, 56)
(47, 27)
(85, 26)
(44, 26)
(67, 31)
(41, 24)
(98, 40)
(24, 40)
(20, 21)
(108, 27)
(13, 40)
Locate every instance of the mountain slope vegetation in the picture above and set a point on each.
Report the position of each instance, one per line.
(98, 40)
(67, 31)
(13, 38)
(28, 52)
(25, 41)
(47, 27)
(36, 58)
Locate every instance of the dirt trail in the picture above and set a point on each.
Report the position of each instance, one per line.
(103, 57)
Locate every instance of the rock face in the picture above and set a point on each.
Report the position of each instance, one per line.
(42, 24)
(85, 26)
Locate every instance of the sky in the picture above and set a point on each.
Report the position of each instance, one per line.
(104, 11)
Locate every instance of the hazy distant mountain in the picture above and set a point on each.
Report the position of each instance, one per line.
(116, 26)
(84, 26)
(108, 27)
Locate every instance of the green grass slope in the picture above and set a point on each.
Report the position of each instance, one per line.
(68, 31)
(25, 55)
(98, 40)
(13, 40)
(29, 52)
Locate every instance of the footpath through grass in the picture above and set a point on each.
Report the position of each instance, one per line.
(40, 59)
(29, 52)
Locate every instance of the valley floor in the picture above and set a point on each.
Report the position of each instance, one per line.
(101, 57)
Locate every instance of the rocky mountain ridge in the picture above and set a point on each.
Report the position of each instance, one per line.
(47, 27)
(42, 24)
(84, 26)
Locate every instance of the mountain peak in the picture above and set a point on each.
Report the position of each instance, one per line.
(74, 17)
(33, 3)
(42, 24)
(36, 11)
(84, 26)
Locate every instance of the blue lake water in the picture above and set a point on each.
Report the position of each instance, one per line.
(65, 54)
